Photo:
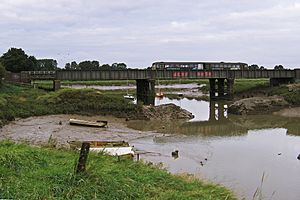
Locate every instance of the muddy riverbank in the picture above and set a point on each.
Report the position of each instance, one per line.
(38, 130)
(257, 105)
(207, 149)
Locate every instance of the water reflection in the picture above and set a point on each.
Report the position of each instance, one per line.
(212, 119)
(229, 149)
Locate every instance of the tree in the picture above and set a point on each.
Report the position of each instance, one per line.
(118, 66)
(74, 65)
(122, 66)
(105, 67)
(278, 67)
(46, 65)
(2, 72)
(253, 67)
(16, 60)
(94, 65)
(88, 65)
(68, 66)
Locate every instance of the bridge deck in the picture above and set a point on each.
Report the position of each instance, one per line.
(160, 74)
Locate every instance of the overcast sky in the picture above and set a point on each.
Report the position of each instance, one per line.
(139, 32)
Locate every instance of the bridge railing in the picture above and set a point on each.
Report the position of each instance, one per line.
(104, 75)
(133, 74)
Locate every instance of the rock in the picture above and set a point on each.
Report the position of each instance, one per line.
(175, 154)
(164, 112)
(257, 105)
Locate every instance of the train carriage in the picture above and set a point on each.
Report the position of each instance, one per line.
(199, 65)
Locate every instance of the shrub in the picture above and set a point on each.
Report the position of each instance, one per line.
(2, 73)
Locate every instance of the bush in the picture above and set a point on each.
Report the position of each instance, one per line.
(2, 73)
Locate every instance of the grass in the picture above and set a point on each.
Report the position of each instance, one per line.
(48, 84)
(42, 173)
(246, 85)
(291, 93)
(17, 101)
(240, 85)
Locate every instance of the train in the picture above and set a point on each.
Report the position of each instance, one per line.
(199, 65)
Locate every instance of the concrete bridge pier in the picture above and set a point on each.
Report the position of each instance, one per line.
(216, 110)
(212, 88)
(56, 85)
(212, 111)
(145, 91)
(229, 88)
(221, 86)
(224, 88)
(221, 111)
(279, 81)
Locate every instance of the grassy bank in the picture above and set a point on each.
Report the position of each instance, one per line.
(16, 101)
(240, 84)
(256, 87)
(249, 85)
(48, 84)
(291, 93)
(40, 173)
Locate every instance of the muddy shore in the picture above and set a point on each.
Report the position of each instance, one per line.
(38, 130)
(289, 112)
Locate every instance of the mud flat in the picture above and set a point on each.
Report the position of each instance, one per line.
(289, 112)
(257, 105)
(38, 130)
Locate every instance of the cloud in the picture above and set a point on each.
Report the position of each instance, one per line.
(141, 32)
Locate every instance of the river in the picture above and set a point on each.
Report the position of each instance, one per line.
(254, 155)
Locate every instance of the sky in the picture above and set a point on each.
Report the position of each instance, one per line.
(140, 32)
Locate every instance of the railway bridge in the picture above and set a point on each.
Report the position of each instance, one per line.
(221, 81)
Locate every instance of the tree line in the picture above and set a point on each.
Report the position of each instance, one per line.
(16, 60)
(93, 65)
(256, 67)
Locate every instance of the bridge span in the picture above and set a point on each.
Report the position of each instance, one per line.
(134, 74)
(221, 81)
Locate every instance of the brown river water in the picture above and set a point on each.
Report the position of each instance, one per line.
(235, 151)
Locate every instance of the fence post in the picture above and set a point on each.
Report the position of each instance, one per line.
(84, 152)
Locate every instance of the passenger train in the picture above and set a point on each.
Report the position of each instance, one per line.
(199, 65)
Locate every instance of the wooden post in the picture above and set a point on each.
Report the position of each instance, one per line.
(56, 85)
(84, 152)
(145, 91)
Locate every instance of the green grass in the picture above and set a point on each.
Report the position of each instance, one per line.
(48, 84)
(240, 85)
(291, 93)
(246, 85)
(17, 101)
(42, 173)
